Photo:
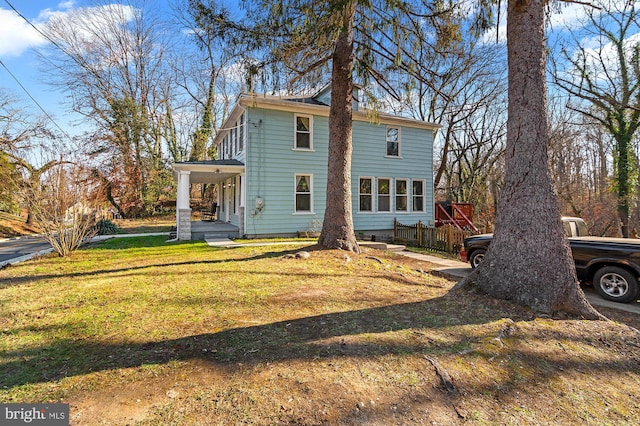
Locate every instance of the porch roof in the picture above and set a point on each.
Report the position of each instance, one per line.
(209, 171)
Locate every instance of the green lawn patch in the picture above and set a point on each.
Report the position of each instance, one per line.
(143, 331)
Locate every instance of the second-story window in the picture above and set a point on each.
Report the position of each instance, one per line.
(393, 142)
(241, 130)
(233, 143)
(304, 134)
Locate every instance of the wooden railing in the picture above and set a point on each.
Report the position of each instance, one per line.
(447, 238)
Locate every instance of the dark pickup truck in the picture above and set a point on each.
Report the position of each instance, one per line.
(612, 265)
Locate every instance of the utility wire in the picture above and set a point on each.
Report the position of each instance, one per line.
(34, 99)
(51, 40)
(18, 81)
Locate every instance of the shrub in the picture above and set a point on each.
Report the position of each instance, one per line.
(106, 227)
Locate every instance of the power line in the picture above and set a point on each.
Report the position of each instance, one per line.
(18, 81)
(33, 99)
(46, 36)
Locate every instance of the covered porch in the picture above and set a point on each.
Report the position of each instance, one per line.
(212, 172)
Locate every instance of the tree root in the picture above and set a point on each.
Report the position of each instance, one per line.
(442, 373)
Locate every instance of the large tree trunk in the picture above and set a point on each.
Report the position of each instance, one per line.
(529, 260)
(337, 227)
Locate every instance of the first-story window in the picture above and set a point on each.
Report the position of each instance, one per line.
(366, 195)
(303, 194)
(401, 195)
(418, 195)
(384, 195)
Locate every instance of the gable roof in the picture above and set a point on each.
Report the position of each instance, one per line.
(313, 106)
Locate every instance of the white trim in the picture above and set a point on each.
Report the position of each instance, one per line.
(295, 132)
(406, 194)
(285, 104)
(246, 101)
(371, 194)
(295, 193)
(390, 194)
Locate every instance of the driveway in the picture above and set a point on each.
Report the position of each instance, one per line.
(457, 270)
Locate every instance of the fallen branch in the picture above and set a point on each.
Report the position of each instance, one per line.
(442, 373)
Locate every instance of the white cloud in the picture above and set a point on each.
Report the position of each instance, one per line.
(570, 16)
(16, 35)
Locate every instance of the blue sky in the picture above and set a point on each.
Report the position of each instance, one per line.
(18, 39)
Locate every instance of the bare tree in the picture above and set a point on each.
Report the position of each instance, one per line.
(21, 133)
(61, 205)
(604, 83)
(110, 59)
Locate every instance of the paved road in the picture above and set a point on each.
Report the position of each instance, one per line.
(16, 250)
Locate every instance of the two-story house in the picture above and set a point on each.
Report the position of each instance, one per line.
(271, 169)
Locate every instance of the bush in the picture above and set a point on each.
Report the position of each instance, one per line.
(106, 227)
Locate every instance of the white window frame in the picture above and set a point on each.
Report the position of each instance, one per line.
(423, 196)
(390, 194)
(233, 141)
(295, 194)
(387, 141)
(242, 132)
(295, 132)
(370, 194)
(405, 195)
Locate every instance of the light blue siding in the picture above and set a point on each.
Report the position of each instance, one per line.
(271, 163)
(271, 166)
(370, 160)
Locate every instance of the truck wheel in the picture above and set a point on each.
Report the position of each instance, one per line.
(616, 284)
(477, 257)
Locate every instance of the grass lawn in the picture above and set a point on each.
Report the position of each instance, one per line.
(140, 331)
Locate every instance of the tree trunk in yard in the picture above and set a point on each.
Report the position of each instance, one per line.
(529, 260)
(337, 227)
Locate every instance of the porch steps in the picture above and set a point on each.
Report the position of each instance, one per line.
(220, 239)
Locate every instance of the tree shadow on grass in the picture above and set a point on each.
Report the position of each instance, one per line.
(433, 326)
(301, 338)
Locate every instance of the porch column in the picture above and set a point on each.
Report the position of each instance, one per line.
(183, 208)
